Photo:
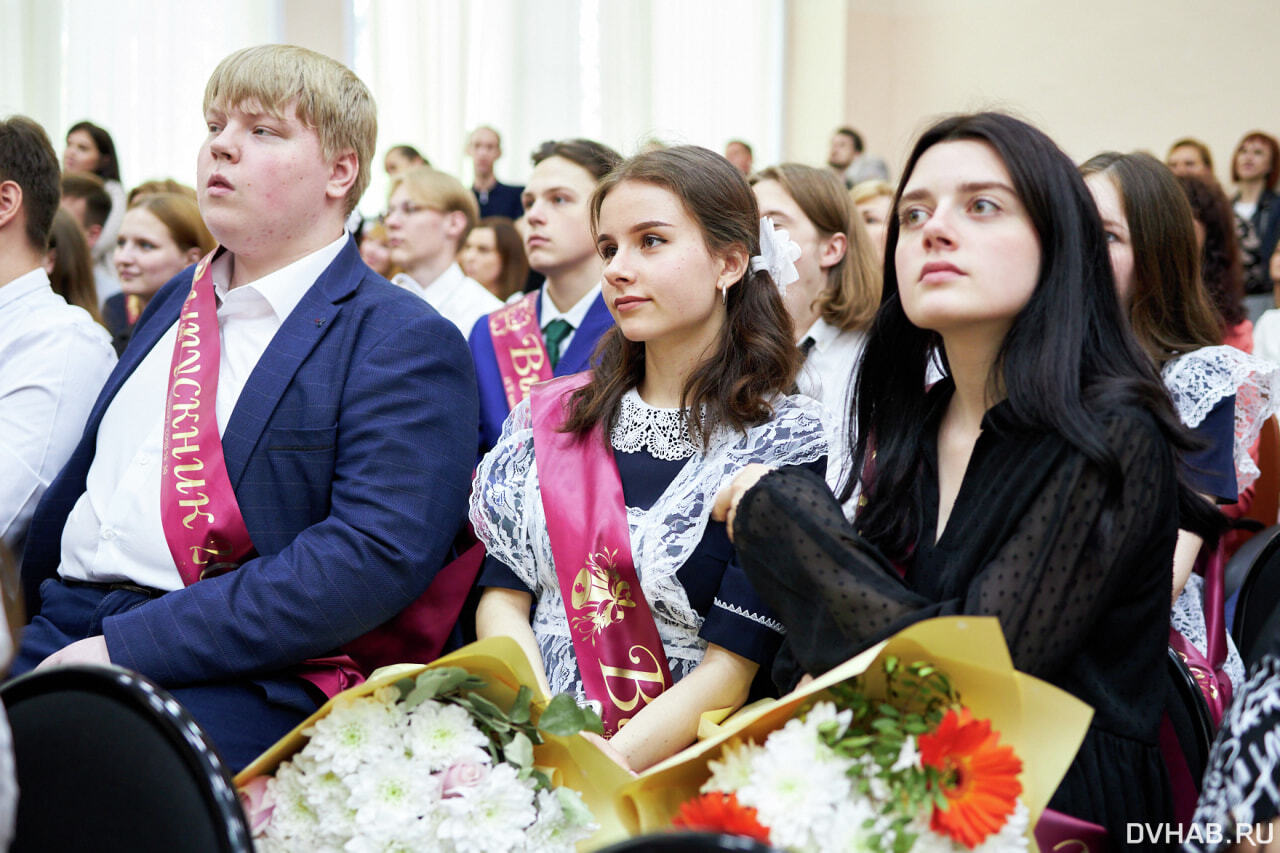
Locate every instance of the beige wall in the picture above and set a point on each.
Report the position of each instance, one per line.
(1094, 74)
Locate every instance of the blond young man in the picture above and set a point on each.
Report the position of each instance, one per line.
(332, 415)
(429, 215)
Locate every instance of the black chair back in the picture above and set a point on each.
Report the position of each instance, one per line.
(108, 761)
(689, 842)
(1255, 616)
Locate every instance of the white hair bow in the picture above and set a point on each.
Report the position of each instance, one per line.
(778, 255)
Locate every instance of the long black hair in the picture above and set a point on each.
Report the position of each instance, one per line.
(1068, 358)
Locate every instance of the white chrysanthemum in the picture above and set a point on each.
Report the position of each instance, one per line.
(293, 818)
(733, 769)
(563, 821)
(393, 794)
(355, 731)
(401, 838)
(442, 734)
(799, 740)
(846, 832)
(795, 787)
(825, 712)
(490, 817)
(1012, 836)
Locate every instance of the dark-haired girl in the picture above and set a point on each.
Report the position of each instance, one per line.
(594, 505)
(1035, 482)
(90, 148)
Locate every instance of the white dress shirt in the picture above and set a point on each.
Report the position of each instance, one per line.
(114, 532)
(53, 361)
(574, 316)
(459, 299)
(827, 376)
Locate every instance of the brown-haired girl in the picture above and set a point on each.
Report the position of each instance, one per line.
(595, 503)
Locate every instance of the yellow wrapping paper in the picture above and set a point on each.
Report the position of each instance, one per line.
(572, 761)
(1044, 725)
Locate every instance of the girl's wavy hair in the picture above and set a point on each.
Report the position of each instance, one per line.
(1221, 268)
(1067, 359)
(754, 358)
(1169, 308)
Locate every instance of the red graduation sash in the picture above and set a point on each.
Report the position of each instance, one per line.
(199, 513)
(202, 523)
(518, 345)
(619, 651)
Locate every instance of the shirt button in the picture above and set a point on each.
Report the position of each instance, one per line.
(108, 533)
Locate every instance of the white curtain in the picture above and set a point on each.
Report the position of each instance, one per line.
(136, 67)
(620, 71)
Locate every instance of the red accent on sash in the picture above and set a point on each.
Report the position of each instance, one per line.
(1062, 833)
(619, 651)
(199, 513)
(202, 523)
(518, 345)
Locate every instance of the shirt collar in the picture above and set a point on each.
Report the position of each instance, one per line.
(823, 333)
(575, 315)
(283, 289)
(23, 285)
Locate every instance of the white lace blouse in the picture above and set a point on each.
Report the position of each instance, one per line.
(508, 516)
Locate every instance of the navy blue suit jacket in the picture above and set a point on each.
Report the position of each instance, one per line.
(350, 452)
(575, 359)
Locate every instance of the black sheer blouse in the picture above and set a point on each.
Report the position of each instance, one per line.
(1079, 578)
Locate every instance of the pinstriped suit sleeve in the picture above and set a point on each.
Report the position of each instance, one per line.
(355, 489)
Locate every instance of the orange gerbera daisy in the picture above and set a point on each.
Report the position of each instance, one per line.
(979, 777)
(721, 812)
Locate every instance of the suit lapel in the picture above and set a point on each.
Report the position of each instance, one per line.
(296, 338)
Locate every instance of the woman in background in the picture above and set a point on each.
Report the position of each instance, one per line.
(160, 237)
(493, 254)
(874, 201)
(1255, 169)
(91, 149)
(1220, 268)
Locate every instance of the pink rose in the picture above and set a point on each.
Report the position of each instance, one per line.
(258, 804)
(463, 775)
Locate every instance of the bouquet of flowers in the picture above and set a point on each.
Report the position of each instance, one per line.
(913, 772)
(879, 754)
(434, 758)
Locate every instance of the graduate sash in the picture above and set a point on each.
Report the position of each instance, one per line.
(203, 527)
(517, 343)
(615, 639)
(198, 510)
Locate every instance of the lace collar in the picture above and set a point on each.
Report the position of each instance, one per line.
(659, 432)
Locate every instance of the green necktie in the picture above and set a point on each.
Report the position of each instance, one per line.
(554, 334)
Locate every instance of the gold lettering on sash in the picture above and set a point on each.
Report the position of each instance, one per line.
(636, 677)
(200, 554)
(194, 505)
(529, 358)
(1072, 844)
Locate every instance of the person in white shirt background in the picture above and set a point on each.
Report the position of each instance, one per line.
(53, 357)
(838, 292)
(428, 216)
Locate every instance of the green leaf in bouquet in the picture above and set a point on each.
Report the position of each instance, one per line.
(443, 679)
(541, 780)
(520, 751)
(904, 841)
(563, 716)
(520, 707)
(594, 723)
(888, 710)
(483, 706)
(574, 808)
